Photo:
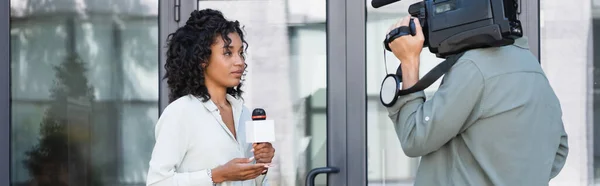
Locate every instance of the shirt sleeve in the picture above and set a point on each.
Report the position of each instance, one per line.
(424, 126)
(561, 155)
(169, 151)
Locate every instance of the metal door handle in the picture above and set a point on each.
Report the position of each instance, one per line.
(310, 178)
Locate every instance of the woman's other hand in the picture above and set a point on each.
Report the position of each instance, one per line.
(238, 169)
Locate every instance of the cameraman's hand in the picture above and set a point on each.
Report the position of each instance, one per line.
(408, 48)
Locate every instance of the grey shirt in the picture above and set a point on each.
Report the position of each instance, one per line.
(494, 120)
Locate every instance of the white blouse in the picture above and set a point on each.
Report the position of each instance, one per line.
(191, 138)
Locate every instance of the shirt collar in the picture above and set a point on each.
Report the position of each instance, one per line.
(522, 42)
(236, 103)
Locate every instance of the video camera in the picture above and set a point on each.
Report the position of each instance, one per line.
(454, 26)
(450, 28)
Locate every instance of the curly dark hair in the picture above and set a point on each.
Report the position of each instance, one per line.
(189, 48)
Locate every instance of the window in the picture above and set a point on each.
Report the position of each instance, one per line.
(84, 91)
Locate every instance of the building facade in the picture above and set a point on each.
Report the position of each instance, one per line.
(81, 86)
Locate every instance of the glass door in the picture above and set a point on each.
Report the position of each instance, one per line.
(306, 68)
(287, 76)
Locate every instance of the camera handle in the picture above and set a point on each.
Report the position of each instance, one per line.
(399, 32)
(431, 76)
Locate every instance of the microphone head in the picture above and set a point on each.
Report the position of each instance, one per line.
(259, 114)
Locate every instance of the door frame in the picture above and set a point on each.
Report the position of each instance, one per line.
(346, 92)
(170, 18)
(5, 93)
(529, 15)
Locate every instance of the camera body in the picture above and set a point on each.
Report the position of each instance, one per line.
(450, 28)
(454, 26)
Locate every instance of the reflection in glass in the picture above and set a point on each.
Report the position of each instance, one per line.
(61, 152)
(84, 91)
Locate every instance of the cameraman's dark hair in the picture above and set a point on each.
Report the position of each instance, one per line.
(189, 48)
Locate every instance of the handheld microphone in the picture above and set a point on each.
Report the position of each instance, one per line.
(260, 129)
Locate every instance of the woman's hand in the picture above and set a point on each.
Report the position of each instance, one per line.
(264, 153)
(238, 169)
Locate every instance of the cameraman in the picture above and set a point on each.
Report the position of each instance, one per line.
(495, 119)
